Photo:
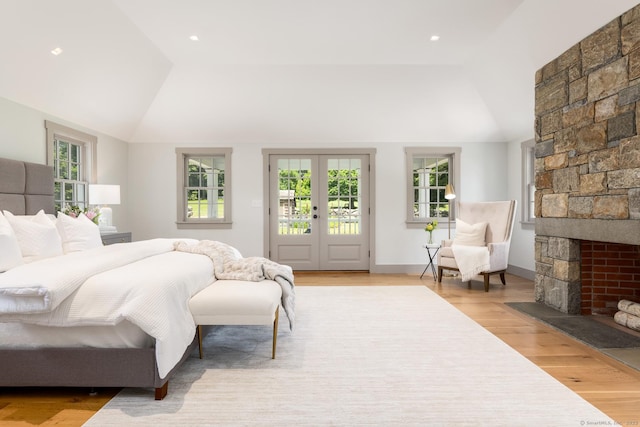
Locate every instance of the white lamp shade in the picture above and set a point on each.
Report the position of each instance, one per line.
(101, 194)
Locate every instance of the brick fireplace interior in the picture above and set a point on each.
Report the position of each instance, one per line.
(587, 172)
(610, 272)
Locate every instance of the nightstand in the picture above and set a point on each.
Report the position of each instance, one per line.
(111, 238)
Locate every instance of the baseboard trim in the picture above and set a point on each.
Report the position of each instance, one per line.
(418, 269)
(398, 269)
(521, 272)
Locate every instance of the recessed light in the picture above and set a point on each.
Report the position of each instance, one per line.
(435, 38)
(194, 38)
(57, 51)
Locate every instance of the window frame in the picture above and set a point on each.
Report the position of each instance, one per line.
(182, 219)
(528, 149)
(453, 153)
(87, 160)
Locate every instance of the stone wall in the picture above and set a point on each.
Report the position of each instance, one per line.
(587, 116)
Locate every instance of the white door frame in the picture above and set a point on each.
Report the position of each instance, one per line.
(371, 152)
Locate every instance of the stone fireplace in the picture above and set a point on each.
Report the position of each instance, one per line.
(587, 201)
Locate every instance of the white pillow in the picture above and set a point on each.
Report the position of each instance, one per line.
(470, 235)
(77, 234)
(10, 255)
(37, 235)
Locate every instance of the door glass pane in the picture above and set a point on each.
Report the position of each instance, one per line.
(344, 196)
(294, 204)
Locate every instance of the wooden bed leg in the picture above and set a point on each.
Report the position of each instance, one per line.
(161, 392)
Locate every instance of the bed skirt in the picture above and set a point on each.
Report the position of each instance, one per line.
(86, 367)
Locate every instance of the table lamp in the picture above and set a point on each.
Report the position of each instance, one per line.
(104, 195)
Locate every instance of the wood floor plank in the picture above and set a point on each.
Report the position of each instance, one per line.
(609, 385)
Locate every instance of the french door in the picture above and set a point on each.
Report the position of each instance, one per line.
(319, 211)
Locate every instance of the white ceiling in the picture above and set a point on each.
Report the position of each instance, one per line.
(290, 71)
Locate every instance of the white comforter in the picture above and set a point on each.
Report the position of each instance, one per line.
(145, 282)
(41, 286)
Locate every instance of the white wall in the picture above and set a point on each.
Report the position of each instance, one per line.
(522, 247)
(152, 190)
(482, 178)
(147, 175)
(23, 137)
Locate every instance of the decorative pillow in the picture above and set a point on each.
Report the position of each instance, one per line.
(10, 255)
(470, 235)
(77, 234)
(37, 235)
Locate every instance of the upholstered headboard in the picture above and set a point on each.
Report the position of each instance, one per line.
(25, 187)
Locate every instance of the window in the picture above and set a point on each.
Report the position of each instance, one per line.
(204, 187)
(429, 170)
(528, 181)
(73, 156)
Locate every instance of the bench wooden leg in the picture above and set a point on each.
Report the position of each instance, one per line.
(200, 340)
(275, 333)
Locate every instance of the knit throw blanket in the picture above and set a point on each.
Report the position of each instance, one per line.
(228, 264)
(471, 260)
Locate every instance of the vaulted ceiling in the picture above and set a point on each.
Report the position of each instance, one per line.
(290, 71)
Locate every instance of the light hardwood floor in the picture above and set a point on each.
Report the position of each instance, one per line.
(609, 385)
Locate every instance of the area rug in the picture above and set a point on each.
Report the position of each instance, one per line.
(359, 356)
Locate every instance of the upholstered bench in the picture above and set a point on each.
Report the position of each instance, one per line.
(237, 302)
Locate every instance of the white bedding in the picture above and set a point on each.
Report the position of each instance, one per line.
(42, 285)
(145, 283)
(25, 336)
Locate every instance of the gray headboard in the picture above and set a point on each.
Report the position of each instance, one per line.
(25, 187)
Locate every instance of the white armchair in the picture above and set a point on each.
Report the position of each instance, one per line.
(500, 217)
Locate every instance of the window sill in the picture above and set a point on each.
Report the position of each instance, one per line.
(203, 225)
(422, 223)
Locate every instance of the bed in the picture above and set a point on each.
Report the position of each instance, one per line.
(26, 189)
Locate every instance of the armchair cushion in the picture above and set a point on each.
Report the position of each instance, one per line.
(470, 234)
